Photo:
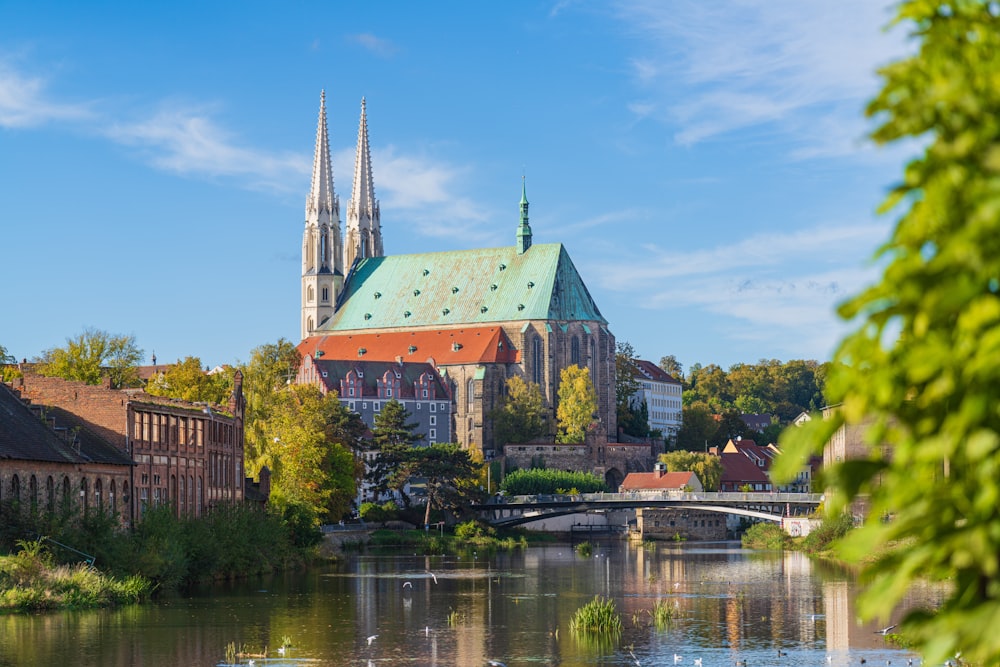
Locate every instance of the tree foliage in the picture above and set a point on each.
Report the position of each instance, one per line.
(392, 438)
(577, 404)
(519, 416)
(921, 366)
(670, 365)
(187, 381)
(307, 468)
(449, 472)
(270, 369)
(544, 481)
(706, 467)
(785, 389)
(92, 354)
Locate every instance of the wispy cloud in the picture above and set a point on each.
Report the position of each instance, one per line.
(383, 48)
(426, 191)
(188, 141)
(800, 68)
(24, 102)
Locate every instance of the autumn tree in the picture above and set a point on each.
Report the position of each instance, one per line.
(7, 370)
(577, 404)
(671, 366)
(308, 469)
(919, 372)
(270, 370)
(187, 381)
(91, 355)
(519, 417)
(707, 467)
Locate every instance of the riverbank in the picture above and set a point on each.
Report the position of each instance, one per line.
(30, 581)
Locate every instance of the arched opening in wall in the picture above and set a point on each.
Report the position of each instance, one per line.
(309, 324)
(182, 496)
(84, 499)
(470, 396)
(112, 498)
(15, 488)
(310, 294)
(201, 498)
(191, 507)
(537, 369)
(33, 493)
(613, 478)
(98, 495)
(126, 498)
(50, 494)
(574, 350)
(172, 491)
(66, 498)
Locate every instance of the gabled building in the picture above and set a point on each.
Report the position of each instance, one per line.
(661, 480)
(661, 393)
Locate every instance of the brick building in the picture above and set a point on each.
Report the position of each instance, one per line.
(186, 454)
(47, 465)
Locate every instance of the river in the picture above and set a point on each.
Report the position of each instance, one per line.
(730, 605)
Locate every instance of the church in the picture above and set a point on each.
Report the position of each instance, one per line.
(477, 316)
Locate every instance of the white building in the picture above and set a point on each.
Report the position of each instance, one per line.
(661, 392)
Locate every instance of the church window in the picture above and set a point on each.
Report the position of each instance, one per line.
(536, 361)
(470, 393)
(326, 294)
(574, 350)
(310, 294)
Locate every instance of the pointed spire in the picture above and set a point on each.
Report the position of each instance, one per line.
(524, 229)
(321, 195)
(363, 237)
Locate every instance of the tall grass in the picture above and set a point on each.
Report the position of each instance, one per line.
(599, 616)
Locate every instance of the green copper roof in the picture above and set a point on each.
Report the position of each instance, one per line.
(464, 287)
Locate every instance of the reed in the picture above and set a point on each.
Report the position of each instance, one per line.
(599, 616)
(585, 549)
(661, 614)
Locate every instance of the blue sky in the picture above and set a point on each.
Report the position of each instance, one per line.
(705, 164)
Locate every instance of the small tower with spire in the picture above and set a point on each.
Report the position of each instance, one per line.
(524, 229)
(363, 237)
(322, 268)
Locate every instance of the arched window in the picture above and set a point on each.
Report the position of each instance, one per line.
(83, 494)
(33, 492)
(310, 294)
(470, 394)
(574, 350)
(15, 488)
(201, 501)
(190, 487)
(112, 498)
(537, 373)
(66, 499)
(98, 498)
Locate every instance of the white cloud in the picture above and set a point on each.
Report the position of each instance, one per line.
(188, 141)
(24, 103)
(800, 67)
(382, 48)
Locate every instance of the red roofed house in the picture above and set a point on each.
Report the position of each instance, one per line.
(671, 524)
(661, 480)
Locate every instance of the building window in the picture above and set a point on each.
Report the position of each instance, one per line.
(443, 407)
(433, 407)
(574, 350)
(388, 392)
(326, 294)
(364, 405)
(350, 405)
(536, 361)
(432, 434)
(434, 420)
(424, 393)
(350, 391)
(376, 406)
(470, 393)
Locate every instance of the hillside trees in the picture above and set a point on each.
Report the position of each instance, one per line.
(577, 404)
(706, 467)
(919, 371)
(92, 353)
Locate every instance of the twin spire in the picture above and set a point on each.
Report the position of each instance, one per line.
(363, 234)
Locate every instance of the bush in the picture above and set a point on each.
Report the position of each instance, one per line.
(765, 535)
(387, 511)
(544, 481)
(599, 616)
(832, 528)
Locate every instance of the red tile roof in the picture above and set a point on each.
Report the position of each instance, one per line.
(737, 470)
(442, 347)
(653, 372)
(637, 481)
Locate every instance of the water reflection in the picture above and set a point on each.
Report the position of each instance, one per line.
(729, 605)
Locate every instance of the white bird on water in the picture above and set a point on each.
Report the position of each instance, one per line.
(677, 658)
(281, 650)
(495, 663)
(371, 639)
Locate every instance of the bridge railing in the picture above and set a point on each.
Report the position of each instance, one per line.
(763, 497)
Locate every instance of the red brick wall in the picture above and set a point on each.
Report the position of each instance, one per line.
(103, 412)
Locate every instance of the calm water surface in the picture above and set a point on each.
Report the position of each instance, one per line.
(729, 605)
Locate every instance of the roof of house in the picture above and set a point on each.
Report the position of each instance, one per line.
(473, 287)
(636, 481)
(332, 371)
(738, 469)
(24, 436)
(760, 455)
(440, 347)
(653, 372)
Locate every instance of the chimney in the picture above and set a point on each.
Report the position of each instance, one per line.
(660, 469)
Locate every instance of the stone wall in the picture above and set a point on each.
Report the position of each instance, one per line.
(660, 524)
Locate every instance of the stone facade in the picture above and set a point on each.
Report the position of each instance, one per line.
(611, 461)
(674, 524)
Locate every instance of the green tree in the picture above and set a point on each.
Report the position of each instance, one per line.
(270, 370)
(706, 467)
(449, 472)
(920, 370)
(626, 386)
(309, 469)
(633, 419)
(91, 355)
(187, 381)
(519, 416)
(697, 428)
(392, 436)
(670, 365)
(577, 404)
(7, 370)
